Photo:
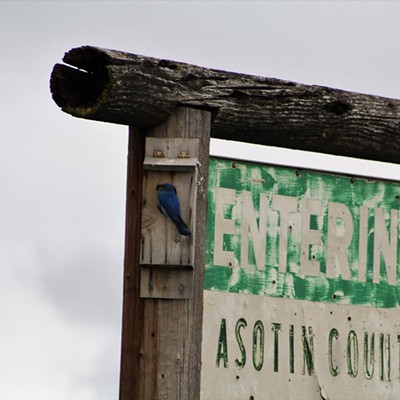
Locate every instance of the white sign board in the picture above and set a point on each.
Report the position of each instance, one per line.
(301, 295)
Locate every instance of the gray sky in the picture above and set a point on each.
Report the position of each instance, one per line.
(63, 178)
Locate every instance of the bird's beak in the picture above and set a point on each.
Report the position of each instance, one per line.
(158, 187)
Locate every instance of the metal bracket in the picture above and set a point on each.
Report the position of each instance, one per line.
(171, 154)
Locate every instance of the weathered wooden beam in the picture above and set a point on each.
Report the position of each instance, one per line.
(123, 88)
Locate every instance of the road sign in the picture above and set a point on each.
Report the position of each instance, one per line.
(301, 285)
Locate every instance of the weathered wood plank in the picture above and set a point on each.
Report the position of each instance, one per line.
(161, 339)
(181, 320)
(133, 321)
(114, 86)
(161, 242)
(166, 283)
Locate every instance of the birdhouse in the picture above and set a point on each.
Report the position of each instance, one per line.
(172, 175)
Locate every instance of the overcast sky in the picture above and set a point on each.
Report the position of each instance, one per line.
(63, 178)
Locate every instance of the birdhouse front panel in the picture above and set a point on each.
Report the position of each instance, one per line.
(168, 218)
(168, 230)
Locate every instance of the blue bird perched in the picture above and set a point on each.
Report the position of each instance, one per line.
(168, 204)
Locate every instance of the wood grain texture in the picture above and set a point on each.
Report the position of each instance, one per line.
(161, 242)
(166, 256)
(114, 86)
(133, 322)
(161, 339)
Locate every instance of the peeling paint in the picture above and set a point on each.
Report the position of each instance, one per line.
(307, 274)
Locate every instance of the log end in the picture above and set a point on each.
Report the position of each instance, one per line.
(79, 87)
(107, 85)
(75, 88)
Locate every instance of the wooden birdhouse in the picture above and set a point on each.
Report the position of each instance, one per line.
(166, 256)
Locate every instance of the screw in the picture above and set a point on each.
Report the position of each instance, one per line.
(177, 239)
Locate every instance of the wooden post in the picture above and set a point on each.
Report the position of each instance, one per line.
(161, 339)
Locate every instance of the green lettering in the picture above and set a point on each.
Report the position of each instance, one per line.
(241, 323)
(398, 341)
(291, 349)
(308, 350)
(369, 350)
(222, 351)
(384, 355)
(352, 354)
(258, 345)
(276, 328)
(332, 334)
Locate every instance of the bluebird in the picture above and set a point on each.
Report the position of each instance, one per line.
(168, 204)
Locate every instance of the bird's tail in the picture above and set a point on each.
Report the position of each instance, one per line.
(182, 227)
